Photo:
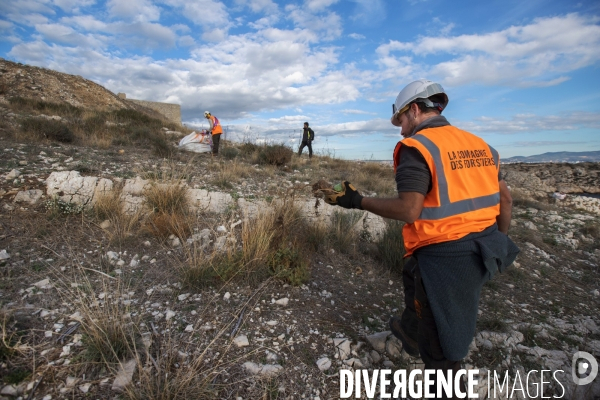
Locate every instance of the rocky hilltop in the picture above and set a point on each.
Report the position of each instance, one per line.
(109, 291)
(25, 81)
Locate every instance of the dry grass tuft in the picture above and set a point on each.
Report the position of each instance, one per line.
(391, 245)
(167, 198)
(110, 207)
(270, 244)
(163, 225)
(230, 172)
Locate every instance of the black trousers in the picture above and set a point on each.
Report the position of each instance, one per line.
(216, 139)
(418, 323)
(304, 144)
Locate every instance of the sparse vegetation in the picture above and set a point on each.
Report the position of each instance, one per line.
(391, 246)
(146, 277)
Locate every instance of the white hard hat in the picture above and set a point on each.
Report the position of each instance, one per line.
(421, 90)
(206, 113)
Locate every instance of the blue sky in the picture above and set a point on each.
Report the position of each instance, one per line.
(522, 74)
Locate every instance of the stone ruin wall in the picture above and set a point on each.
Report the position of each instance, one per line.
(171, 111)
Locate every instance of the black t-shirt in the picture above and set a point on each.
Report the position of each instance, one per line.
(412, 173)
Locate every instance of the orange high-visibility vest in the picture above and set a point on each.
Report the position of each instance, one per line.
(217, 129)
(465, 194)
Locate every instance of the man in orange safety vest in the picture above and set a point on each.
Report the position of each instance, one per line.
(457, 211)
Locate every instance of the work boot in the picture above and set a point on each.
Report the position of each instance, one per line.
(409, 345)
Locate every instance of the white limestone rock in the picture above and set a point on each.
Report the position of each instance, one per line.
(241, 341)
(324, 364)
(28, 196)
(71, 187)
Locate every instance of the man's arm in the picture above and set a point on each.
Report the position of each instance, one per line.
(503, 220)
(406, 207)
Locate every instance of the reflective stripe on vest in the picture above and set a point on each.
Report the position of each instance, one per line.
(464, 196)
(446, 208)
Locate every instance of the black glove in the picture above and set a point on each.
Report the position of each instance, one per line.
(347, 198)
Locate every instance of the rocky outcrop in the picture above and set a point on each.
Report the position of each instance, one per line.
(541, 179)
(71, 187)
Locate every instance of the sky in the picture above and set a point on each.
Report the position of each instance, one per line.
(524, 75)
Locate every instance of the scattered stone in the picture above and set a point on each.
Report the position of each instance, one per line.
(43, 284)
(267, 370)
(342, 346)
(189, 328)
(378, 340)
(4, 255)
(105, 224)
(85, 387)
(241, 341)
(9, 390)
(124, 376)
(28, 196)
(15, 173)
(323, 364)
(282, 302)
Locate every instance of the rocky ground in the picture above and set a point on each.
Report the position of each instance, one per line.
(71, 280)
(272, 340)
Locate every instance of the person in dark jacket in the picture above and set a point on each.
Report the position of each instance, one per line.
(308, 135)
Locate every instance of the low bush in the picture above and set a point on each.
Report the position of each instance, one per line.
(48, 129)
(160, 145)
(62, 109)
(56, 207)
(248, 149)
(229, 153)
(288, 264)
(276, 154)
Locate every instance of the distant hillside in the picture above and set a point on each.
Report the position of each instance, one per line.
(559, 156)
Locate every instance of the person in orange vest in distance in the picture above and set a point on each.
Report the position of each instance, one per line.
(215, 129)
(457, 211)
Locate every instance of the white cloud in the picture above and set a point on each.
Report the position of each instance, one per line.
(6, 26)
(528, 55)
(134, 10)
(73, 6)
(318, 5)
(86, 22)
(521, 123)
(289, 120)
(369, 12)
(357, 112)
(207, 13)
(356, 36)
(58, 33)
(262, 6)
(265, 22)
(328, 25)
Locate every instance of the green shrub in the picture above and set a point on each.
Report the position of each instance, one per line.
(391, 246)
(247, 149)
(276, 154)
(160, 146)
(56, 207)
(288, 264)
(49, 129)
(62, 109)
(229, 153)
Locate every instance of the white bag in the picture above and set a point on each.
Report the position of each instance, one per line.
(198, 142)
